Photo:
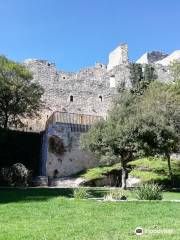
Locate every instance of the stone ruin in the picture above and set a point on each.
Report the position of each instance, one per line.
(88, 92)
(91, 90)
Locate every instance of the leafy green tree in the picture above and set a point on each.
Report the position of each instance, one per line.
(114, 136)
(156, 121)
(141, 77)
(19, 95)
(138, 126)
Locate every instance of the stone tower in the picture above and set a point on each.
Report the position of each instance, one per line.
(118, 56)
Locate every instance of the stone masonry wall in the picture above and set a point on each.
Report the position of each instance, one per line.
(72, 160)
(85, 92)
(89, 91)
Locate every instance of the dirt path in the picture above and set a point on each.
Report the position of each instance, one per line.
(66, 182)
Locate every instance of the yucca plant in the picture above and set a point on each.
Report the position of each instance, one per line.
(116, 194)
(80, 193)
(149, 191)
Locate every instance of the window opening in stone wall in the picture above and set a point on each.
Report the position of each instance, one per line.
(112, 81)
(71, 98)
(100, 98)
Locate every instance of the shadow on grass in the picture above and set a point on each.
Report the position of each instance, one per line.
(97, 192)
(9, 195)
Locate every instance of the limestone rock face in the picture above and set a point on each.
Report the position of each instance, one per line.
(151, 57)
(169, 59)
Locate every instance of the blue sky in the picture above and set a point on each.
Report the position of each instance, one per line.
(77, 33)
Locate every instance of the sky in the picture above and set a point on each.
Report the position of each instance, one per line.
(76, 33)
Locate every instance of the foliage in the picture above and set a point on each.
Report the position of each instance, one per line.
(19, 95)
(115, 136)
(141, 77)
(157, 121)
(56, 145)
(80, 193)
(116, 194)
(139, 125)
(94, 140)
(16, 175)
(175, 70)
(149, 192)
(23, 147)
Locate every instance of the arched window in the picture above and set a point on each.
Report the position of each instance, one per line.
(100, 98)
(71, 98)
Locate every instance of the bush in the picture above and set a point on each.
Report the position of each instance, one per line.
(16, 175)
(149, 192)
(80, 193)
(56, 145)
(116, 194)
(23, 147)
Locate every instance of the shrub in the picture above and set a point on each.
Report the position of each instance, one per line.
(149, 192)
(16, 175)
(116, 194)
(80, 193)
(56, 145)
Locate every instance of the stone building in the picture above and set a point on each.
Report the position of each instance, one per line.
(92, 89)
(87, 92)
(62, 155)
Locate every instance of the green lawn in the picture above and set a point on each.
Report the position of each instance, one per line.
(46, 214)
(147, 169)
(98, 172)
(155, 169)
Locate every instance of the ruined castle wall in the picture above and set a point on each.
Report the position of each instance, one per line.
(88, 91)
(118, 56)
(163, 73)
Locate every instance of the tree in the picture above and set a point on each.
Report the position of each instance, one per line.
(141, 76)
(157, 121)
(19, 95)
(138, 125)
(114, 136)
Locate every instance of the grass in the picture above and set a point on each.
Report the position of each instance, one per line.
(46, 214)
(147, 169)
(98, 172)
(99, 192)
(155, 169)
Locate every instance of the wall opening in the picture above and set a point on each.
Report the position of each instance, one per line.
(112, 81)
(71, 98)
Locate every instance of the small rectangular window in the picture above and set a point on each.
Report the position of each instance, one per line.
(71, 98)
(112, 82)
